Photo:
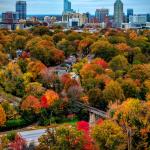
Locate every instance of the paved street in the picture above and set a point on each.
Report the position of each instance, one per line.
(32, 136)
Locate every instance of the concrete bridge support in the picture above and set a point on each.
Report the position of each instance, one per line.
(92, 118)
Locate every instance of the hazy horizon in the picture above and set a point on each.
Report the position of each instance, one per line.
(39, 7)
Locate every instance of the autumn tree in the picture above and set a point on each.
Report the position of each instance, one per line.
(95, 97)
(130, 88)
(10, 110)
(140, 59)
(23, 63)
(140, 72)
(84, 46)
(119, 63)
(49, 98)
(50, 80)
(103, 49)
(58, 37)
(18, 144)
(2, 116)
(4, 58)
(109, 135)
(40, 30)
(20, 41)
(44, 50)
(35, 89)
(66, 46)
(133, 116)
(31, 103)
(62, 138)
(35, 67)
(116, 39)
(74, 36)
(101, 62)
(74, 93)
(11, 79)
(84, 127)
(113, 92)
(78, 66)
(68, 82)
(123, 47)
(88, 74)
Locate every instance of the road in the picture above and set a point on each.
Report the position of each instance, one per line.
(33, 135)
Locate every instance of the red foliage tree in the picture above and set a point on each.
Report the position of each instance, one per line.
(83, 126)
(49, 98)
(101, 62)
(44, 103)
(18, 144)
(88, 142)
(99, 121)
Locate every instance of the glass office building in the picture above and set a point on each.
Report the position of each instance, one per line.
(21, 9)
(118, 13)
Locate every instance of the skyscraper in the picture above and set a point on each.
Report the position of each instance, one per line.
(21, 9)
(148, 17)
(129, 13)
(118, 13)
(9, 17)
(101, 14)
(67, 6)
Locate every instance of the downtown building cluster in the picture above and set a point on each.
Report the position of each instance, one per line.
(11, 20)
(72, 19)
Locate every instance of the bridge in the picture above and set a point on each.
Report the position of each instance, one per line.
(94, 113)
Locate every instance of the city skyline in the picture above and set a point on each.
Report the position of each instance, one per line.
(56, 7)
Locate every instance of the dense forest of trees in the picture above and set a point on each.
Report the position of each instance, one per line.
(113, 69)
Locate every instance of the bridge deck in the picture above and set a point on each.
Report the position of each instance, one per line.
(93, 110)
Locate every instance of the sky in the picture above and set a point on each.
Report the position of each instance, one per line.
(56, 6)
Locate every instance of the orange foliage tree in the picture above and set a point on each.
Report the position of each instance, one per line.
(2, 116)
(31, 103)
(35, 67)
(49, 98)
(68, 82)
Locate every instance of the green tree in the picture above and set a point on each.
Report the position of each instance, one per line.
(58, 37)
(113, 92)
(41, 30)
(66, 46)
(103, 49)
(20, 42)
(130, 88)
(119, 63)
(96, 99)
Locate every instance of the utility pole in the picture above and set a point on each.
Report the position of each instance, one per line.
(129, 134)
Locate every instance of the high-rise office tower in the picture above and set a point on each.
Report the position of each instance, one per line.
(21, 9)
(9, 17)
(101, 14)
(129, 13)
(67, 6)
(118, 13)
(88, 16)
(148, 17)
